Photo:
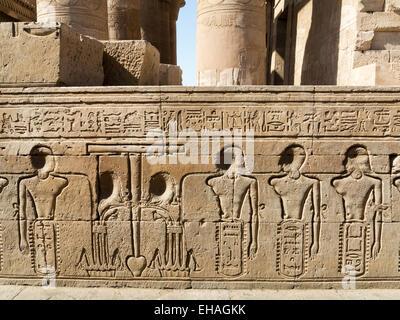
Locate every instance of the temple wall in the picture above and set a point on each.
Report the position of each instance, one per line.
(326, 32)
(315, 199)
(341, 42)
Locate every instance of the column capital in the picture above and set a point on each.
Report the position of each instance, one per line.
(176, 5)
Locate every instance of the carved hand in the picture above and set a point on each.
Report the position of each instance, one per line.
(380, 207)
(376, 248)
(315, 249)
(253, 251)
(24, 247)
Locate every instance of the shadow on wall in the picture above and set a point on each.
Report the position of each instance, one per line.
(320, 63)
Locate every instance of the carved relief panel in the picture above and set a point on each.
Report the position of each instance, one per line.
(301, 194)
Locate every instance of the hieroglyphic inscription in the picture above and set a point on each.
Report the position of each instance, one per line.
(354, 247)
(77, 122)
(282, 121)
(308, 208)
(292, 257)
(230, 248)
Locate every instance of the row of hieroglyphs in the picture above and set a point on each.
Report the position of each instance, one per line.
(280, 121)
(115, 215)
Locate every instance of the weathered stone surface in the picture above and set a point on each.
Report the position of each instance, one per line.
(377, 74)
(379, 21)
(370, 57)
(371, 5)
(87, 17)
(61, 293)
(170, 75)
(48, 54)
(324, 42)
(131, 63)
(386, 41)
(231, 44)
(392, 5)
(82, 201)
(364, 40)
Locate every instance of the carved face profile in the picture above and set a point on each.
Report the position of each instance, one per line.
(292, 158)
(396, 165)
(232, 159)
(357, 158)
(42, 160)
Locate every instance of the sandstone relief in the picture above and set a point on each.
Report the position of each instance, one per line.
(170, 187)
(293, 199)
(297, 239)
(361, 232)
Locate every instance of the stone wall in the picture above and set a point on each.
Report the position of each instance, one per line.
(340, 42)
(377, 50)
(319, 32)
(82, 202)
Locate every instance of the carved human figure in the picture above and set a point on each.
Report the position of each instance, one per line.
(3, 184)
(43, 188)
(356, 187)
(294, 188)
(233, 189)
(396, 170)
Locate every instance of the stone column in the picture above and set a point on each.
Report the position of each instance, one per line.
(158, 22)
(150, 22)
(164, 32)
(176, 5)
(231, 42)
(88, 17)
(124, 19)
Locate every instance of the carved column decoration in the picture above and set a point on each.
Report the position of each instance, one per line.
(124, 19)
(87, 17)
(231, 42)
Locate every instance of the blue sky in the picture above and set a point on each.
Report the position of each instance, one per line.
(186, 42)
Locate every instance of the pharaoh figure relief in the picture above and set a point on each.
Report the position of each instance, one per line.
(361, 231)
(295, 244)
(237, 232)
(3, 183)
(43, 189)
(396, 171)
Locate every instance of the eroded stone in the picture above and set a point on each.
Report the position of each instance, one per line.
(48, 54)
(131, 63)
(170, 75)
